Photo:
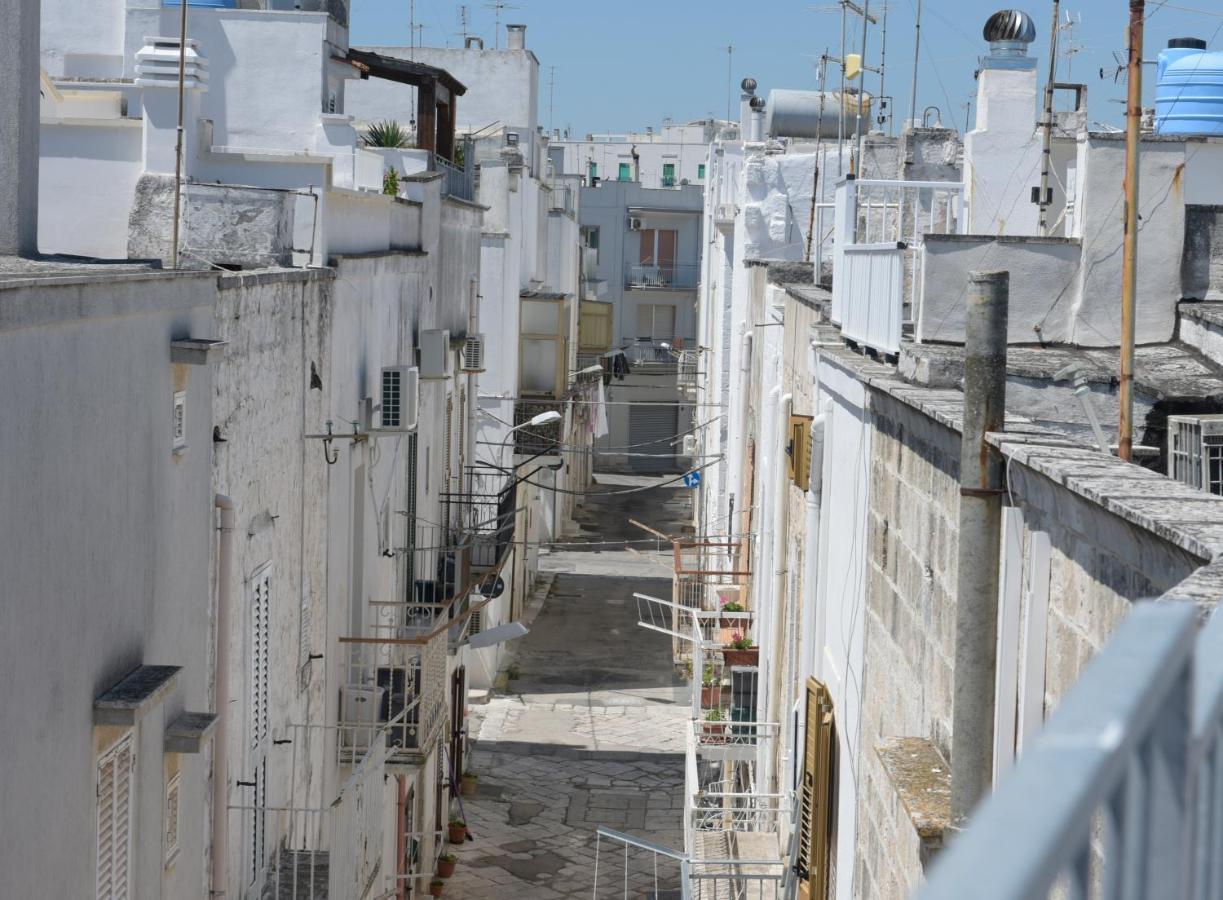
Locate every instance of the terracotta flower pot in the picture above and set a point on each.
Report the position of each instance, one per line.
(713, 732)
(435, 890)
(445, 867)
(711, 696)
(458, 834)
(467, 785)
(748, 657)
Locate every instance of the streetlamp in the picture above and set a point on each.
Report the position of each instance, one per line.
(543, 418)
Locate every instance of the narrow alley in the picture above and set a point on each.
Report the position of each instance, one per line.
(589, 728)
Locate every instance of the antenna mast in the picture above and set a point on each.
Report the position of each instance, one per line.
(551, 94)
(883, 56)
(1129, 264)
(916, 57)
(1047, 158)
(855, 159)
(730, 80)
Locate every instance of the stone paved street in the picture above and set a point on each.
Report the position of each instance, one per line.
(591, 731)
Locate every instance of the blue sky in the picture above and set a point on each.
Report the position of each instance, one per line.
(631, 63)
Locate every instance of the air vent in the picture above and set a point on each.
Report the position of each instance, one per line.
(435, 354)
(400, 398)
(1195, 451)
(473, 353)
(635, 224)
(477, 622)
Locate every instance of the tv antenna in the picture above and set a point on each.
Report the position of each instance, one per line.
(464, 22)
(1120, 71)
(498, 6)
(1072, 47)
(551, 94)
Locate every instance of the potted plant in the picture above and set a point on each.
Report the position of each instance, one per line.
(458, 830)
(445, 865)
(711, 688)
(713, 729)
(467, 783)
(731, 606)
(740, 651)
(435, 887)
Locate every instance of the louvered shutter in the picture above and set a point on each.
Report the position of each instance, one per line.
(815, 801)
(115, 775)
(260, 629)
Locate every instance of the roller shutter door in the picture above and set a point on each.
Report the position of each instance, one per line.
(652, 430)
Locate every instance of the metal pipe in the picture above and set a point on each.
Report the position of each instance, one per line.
(220, 746)
(1047, 157)
(916, 57)
(178, 146)
(1129, 263)
(981, 490)
(780, 538)
(855, 159)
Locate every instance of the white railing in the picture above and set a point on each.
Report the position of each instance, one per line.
(1122, 794)
(356, 828)
(873, 285)
(878, 231)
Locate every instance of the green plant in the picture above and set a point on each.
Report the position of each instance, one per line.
(687, 669)
(467, 773)
(388, 133)
(448, 858)
(512, 672)
(460, 155)
(715, 715)
(707, 676)
(390, 182)
(739, 641)
(732, 606)
(457, 821)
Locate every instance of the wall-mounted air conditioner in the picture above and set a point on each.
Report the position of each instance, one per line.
(635, 223)
(400, 398)
(473, 353)
(434, 354)
(360, 712)
(1195, 451)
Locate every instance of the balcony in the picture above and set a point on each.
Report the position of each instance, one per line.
(663, 277)
(687, 365)
(394, 695)
(878, 253)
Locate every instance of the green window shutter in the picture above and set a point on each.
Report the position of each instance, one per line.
(700, 171)
(624, 172)
(668, 170)
(594, 170)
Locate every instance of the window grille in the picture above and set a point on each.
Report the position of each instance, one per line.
(172, 818)
(261, 591)
(116, 772)
(179, 424)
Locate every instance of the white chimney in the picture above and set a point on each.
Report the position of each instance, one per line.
(515, 37)
(157, 73)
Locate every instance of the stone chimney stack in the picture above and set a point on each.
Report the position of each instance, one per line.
(19, 73)
(515, 37)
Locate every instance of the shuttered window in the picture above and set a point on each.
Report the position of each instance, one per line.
(798, 450)
(172, 818)
(261, 595)
(116, 773)
(816, 800)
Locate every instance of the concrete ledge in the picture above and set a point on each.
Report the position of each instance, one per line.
(245, 279)
(126, 702)
(921, 779)
(189, 731)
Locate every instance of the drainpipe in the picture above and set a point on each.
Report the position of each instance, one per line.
(980, 527)
(781, 522)
(220, 773)
(814, 501)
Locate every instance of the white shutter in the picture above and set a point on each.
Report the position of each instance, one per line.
(260, 628)
(115, 775)
(172, 817)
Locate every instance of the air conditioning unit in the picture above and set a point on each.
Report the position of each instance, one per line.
(689, 445)
(477, 622)
(434, 354)
(360, 708)
(1195, 451)
(400, 398)
(635, 223)
(473, 353)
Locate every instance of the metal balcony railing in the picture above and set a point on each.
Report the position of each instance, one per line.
(1119, 796)
(686, 371)
(460, 182)
(662, 276)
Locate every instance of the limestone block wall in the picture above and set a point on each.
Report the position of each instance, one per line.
(1118, 533)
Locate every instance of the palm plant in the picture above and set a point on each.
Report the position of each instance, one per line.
(388, 133)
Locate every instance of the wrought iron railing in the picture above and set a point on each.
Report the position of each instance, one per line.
(460, 182)
(1119, 796)
(662, 276)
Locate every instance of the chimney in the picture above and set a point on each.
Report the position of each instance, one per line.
(157, 73)
(515, 37)
(473, 42)
(748, 88)
(19, 68)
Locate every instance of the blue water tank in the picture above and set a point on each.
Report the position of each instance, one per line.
(1189, 95)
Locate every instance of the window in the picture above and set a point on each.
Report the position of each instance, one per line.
(816, 794)
(171, 814)
(179, 422)
(700, 172)
(541, 347)
(626, 173)
(798, 451)
(656, 321)
(592, 236)
(592, 171)
(261, 591)
(668, 174)
(116, 773)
